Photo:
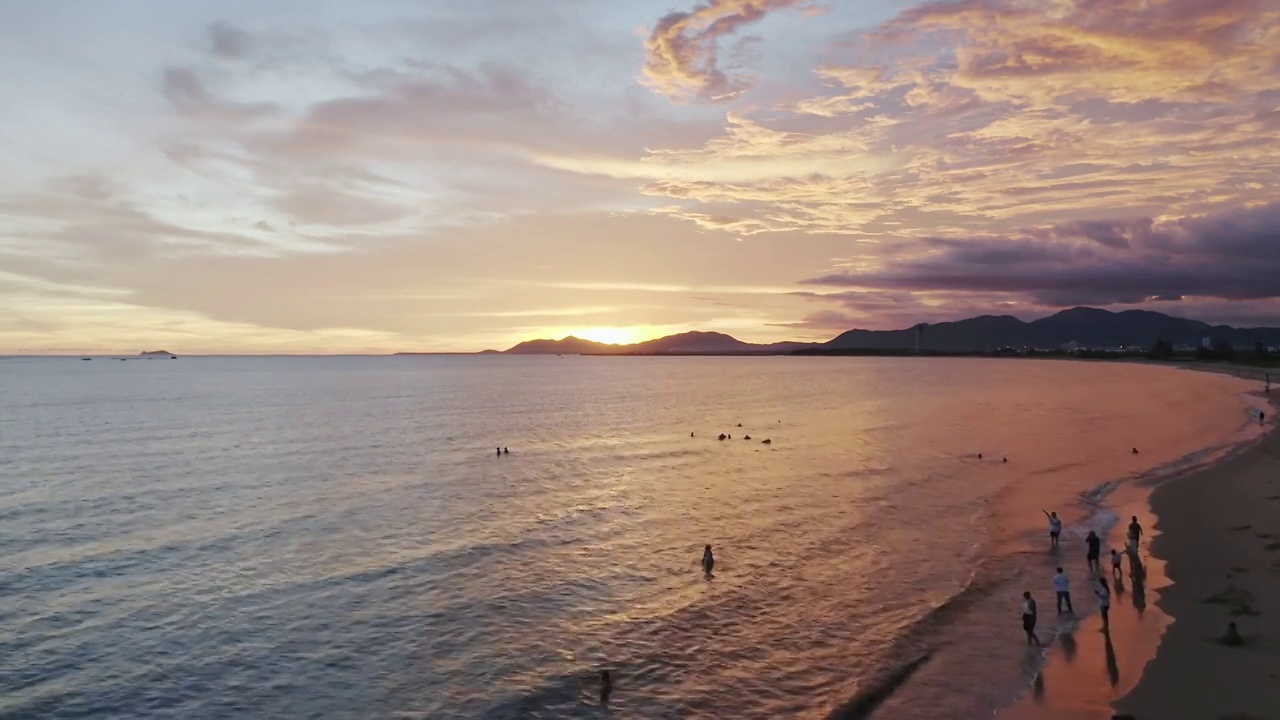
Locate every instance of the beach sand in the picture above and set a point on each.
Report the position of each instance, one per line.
(1211, 556)
(1220, 531)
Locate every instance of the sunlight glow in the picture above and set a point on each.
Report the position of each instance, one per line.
(616, 335)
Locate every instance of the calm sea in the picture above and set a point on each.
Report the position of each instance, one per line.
(336, 537)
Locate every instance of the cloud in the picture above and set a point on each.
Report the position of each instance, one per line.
(187, 92)
(897, 309)
(322, 204)
(682, 51)
(960, 117)
(229, 42)
(82, 220)
(1231, 255)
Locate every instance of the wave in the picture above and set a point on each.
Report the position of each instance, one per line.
(864, 702)
(548, 698)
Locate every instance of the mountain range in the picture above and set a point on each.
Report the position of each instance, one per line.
(1087, 327)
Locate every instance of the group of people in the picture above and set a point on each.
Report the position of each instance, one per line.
(1062, 585)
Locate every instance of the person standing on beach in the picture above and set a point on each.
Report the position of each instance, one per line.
(1095, 550)
(1029, 619)
(1104, 602)
(1135, 530)
(1062, 586)
(1055, 527)
(708, 561)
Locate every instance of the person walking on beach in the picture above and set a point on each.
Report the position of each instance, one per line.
(1116, 557)
(1104, 602)
(708, 561)
(1135, 530)
(1094, 544)
(1062, 587)
(1055, 528)
(1029, 619)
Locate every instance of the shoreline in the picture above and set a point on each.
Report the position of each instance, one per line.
(1219, 536)
(1193, 579)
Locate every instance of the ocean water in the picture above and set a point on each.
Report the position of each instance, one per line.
(336, 537)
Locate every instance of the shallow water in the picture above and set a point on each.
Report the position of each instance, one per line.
(335, 537)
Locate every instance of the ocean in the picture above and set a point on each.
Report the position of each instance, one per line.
(337, 537)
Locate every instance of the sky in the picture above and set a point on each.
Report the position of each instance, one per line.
(310, 176)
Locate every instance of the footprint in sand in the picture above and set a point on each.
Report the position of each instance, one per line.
(1240, 601)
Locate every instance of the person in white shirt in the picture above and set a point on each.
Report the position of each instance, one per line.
(1062, 587)
(1104, 602)
(1029, 619)
(1055, 527)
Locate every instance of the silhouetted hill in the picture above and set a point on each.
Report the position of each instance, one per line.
(567, 346)
(1088, 327)
(689, 343)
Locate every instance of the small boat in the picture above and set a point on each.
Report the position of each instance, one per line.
(86, 358)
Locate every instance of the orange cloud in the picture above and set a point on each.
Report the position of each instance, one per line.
(980, 116)
(682, 51)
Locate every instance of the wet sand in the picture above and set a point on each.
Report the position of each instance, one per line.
(1221, 534)
(1087, 669)
(1211, 555)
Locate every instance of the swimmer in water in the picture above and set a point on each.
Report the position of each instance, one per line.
(708, 560)
(1135, 451)
(506, 451)
(606, 686)
(499, 451)
(979, 456)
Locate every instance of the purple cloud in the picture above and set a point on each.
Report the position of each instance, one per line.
(1230, 255)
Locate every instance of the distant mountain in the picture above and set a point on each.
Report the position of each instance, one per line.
(567, 346)
(1087, 327)
(689, 343)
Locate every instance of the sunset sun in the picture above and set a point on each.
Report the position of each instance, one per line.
(614, 335)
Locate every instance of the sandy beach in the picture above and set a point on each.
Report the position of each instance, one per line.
(1211, 556)
(1220, 533)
